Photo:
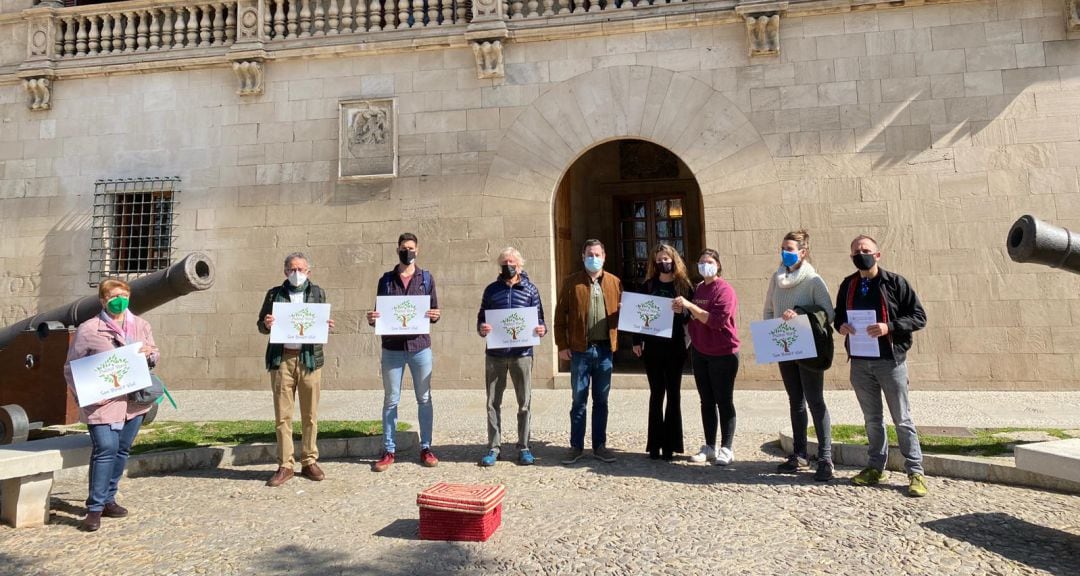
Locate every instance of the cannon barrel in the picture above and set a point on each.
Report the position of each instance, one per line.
(1038, 242)
(193, 273)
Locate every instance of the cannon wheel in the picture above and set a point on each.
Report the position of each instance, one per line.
(14, 425)
(149, 417)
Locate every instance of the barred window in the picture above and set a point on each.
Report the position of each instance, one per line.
(133, 227)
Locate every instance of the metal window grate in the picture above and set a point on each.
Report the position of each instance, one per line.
(133, 227)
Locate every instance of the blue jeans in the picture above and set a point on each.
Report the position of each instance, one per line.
(594, 364)
(393, 374)
(108, 456)
(871, 379)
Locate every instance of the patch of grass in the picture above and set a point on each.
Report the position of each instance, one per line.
(984, 443)
(160, 436)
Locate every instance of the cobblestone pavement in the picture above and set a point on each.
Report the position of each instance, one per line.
(635, 516)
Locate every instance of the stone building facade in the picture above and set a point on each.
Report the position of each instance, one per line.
(929, 125)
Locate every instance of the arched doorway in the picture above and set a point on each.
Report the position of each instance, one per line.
(630, 194)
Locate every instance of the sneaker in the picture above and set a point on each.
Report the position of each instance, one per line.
(384, 462)
(824, 471)
(573, 456)
(868, 477)
(489, 458)
(525, 457)
(724, 456)
(793, 464)
(602, 454)
(917, 485)
(706, 453)
(428, 459)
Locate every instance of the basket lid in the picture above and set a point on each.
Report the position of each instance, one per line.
(469, 498)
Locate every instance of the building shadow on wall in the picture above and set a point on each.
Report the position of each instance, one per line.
(342, 193)
(65, 261)
(1048, 549)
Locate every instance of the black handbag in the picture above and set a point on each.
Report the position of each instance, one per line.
(148, 395)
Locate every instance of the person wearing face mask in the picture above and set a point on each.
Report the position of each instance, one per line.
(414, 351)
(898, 314)
(586, 334)
(797, 284)
(295, 370)
(512, 290)
(715, 357)
(664, 357)
(113, 423)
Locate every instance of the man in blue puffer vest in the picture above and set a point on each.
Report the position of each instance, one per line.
(512, 290)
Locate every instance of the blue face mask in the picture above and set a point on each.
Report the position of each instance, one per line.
(594, 264)
(789, 258)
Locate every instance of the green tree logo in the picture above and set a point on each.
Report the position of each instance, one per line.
(113, 369)
(514, 324)
(784, 335)
(648, 311)
(405, 311)
(303, 319)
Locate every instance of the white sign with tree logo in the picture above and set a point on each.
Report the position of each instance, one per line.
(110, 374)
(301, 323)
(779, 340)
(512, 327)
(402, 315)
(645, 314)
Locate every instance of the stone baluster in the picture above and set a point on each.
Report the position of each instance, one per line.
(230, 22)
(403, 14)
(69, 36)
(118, 33)
(417, 13)
(333, 22)
(566, 6)
(192, 27)
(166, 28)
(459, 12)
(293, 18)
(549, 8)
(219, 24)
(533, 7)
(80, 38)
(58, 38)
(432, 13)
(319, 21)
(279, 19)
(376, 15)
(142, 32)
(181, 26)
(155, 30)
(506, 9)
(447, 11)
(205, 32)
(348, 18)
(516, 10)
(305, 18)
(129, 32)
(106, 34)
(93, 45)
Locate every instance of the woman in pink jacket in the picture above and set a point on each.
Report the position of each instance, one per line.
(113, 423)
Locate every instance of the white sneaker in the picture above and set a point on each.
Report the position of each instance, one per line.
(706, 453)
(724, 456)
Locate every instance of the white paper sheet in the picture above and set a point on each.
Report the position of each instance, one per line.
(645, 314)
(512, 327)
(300, 323)
(860, 343)
(402, 315)
(778, 340)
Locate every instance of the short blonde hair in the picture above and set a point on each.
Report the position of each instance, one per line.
(109, 284)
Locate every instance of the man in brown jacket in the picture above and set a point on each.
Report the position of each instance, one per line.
(586, 328)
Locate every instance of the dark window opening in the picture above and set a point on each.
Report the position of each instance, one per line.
(133, 229)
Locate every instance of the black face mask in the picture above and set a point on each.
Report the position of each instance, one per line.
(863, 261)
(406, 256)
(508, 272)
(665, 267)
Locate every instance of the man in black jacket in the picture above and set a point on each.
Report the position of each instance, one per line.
(294, 370)
(878, 311)
(512, 290)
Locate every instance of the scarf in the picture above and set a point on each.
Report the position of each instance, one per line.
(786, 279)
(128, 334)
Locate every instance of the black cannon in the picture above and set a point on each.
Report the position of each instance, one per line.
(1034, 241)
(33, 392)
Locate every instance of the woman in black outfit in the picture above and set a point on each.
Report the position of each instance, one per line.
(664, 357)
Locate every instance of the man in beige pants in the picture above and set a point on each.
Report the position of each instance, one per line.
(294, 370)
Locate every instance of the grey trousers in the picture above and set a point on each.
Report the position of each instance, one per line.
(496, 369)
(871, 379)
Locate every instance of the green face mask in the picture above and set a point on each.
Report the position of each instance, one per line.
(117, 305)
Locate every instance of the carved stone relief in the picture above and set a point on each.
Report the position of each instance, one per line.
(1072, 14)
(489, 59)
(40, 92)
(250, 75)
(763, 33)
(367, 139)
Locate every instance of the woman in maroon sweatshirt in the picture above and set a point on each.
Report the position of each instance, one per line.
(715, 357)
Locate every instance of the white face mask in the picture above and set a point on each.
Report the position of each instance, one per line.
(706, 269)
(297, 279)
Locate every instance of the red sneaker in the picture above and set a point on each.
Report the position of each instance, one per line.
(384, 463)
(427, 458)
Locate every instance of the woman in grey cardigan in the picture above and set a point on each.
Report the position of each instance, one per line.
(796, 283)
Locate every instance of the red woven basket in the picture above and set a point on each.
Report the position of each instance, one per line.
(469, 512)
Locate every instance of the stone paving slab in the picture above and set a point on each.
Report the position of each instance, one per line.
(636, 516)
